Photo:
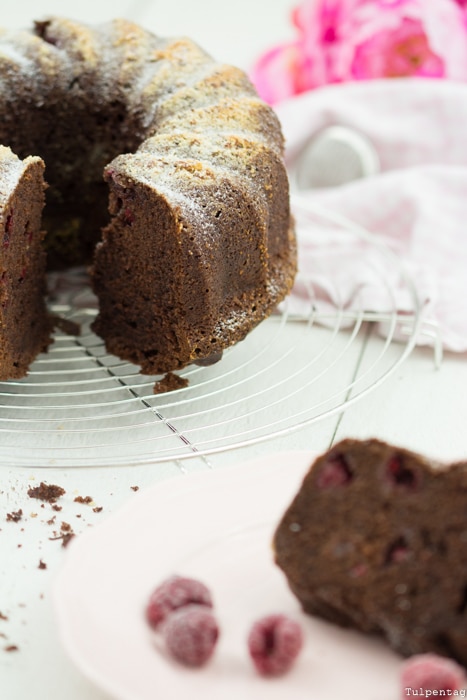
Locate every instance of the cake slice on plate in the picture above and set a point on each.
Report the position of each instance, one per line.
(376, 539)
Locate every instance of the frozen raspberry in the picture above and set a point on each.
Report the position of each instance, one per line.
(174, 593)
(191, 634)
(274, 643)
(431, 672)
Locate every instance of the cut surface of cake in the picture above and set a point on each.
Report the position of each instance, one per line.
(199, 246)
(376, 539)
(25, 327)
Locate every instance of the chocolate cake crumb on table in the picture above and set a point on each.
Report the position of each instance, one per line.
(46, 492)
(376, 539)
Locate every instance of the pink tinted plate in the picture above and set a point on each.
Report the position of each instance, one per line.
(216, 526)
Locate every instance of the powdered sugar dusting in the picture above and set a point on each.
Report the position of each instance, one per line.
(9, 52)
(11, 169)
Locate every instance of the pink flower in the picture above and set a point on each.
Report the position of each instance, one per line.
(396, 53)
(340, 40)
(280, 73)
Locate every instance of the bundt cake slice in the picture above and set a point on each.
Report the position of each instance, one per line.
(195, 255)
(376, 539)
(25, 326)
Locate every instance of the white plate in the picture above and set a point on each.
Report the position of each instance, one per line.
(216, 526)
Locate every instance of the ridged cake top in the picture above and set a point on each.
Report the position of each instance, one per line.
(179, 118)
(159, 79)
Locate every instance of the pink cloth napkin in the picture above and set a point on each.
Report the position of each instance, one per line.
(416, 204)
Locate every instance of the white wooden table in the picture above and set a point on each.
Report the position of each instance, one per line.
(419, 406)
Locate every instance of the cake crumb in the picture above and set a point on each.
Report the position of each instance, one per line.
(66, 537)
(170, 382)
(46, 492)
(66, 534)
(83, 499)
(134, 488)
(97, 509)
(42, 564)
(12, 647)
(15, 516)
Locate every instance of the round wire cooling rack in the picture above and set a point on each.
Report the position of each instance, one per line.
(80, 406)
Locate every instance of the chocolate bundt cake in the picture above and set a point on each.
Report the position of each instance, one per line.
(25, 326)
(200, 245)
(376, 539)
